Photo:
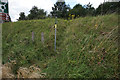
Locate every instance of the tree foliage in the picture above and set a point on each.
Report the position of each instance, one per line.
(108, 8)
(36, 13)
(90, 11)
(60, 10)
(78, 10)
(81, 11)
(22, 16)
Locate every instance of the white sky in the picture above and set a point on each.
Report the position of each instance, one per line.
(17, 6)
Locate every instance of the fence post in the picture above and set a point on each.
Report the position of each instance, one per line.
(33, 36)
(55, 36)
(42, 37)
(55, 30)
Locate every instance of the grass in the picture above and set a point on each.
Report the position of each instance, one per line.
(86, 47)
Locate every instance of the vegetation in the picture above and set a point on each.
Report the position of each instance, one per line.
(90, 11)
(78, 11)
(86, 47)
(35, 13)
(61, 10)
(108, 8)
(22, 16)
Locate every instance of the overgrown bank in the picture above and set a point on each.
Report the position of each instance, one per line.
(86, 47)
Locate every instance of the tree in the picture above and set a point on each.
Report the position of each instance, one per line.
(60, 10)
(36, 13)
(108, 8)
(78, 10)
(89, 9)
(22, 16)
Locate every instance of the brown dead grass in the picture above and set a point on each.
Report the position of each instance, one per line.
(7, 71)
(31, 72)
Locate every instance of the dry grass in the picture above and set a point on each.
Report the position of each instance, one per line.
(7, 71)
(31, 72)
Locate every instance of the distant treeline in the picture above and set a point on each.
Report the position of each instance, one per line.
(61, 10)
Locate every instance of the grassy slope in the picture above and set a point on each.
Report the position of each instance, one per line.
(80, 46)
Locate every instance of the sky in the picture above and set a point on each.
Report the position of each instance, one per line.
(17, 6)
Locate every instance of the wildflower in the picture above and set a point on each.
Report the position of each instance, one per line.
(99, 62)
(96, 26)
